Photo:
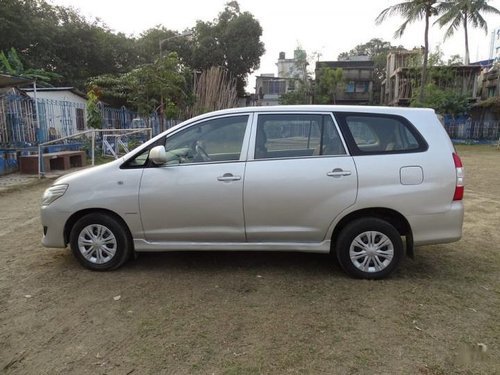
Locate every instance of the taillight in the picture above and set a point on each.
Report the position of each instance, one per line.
(459, 185)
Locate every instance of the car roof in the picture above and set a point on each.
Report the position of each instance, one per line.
(316, 108)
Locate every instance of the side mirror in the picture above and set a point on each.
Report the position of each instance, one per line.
(158, 155)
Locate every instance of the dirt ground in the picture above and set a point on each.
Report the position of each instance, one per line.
(248, 313)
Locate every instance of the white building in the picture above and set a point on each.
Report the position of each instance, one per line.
(291, 74)
(62, 110)
(293, 68)
(495, 45)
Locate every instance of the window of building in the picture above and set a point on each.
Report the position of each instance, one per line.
(362, 86)
(274, 87)
(80, 121)
(349, 87)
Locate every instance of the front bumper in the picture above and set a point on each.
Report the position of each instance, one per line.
(53, 222)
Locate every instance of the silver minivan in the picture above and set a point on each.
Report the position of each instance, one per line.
(366, 184)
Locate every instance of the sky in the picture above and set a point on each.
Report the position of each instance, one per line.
(324, 27)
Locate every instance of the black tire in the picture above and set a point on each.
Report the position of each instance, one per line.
(114, 244)
(380, 257)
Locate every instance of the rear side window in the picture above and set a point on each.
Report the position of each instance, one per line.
(296, 135)
(380, 134)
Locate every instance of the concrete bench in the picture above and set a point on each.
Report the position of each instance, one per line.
(53, 161)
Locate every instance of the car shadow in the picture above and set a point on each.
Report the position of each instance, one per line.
(229, 261)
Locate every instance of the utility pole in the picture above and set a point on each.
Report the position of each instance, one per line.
(160, 44)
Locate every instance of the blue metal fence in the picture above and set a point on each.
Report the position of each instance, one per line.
(19, 129)
(17, 123)
(21, 133)
(463, 129)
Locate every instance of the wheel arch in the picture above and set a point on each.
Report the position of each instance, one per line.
(79, 214)
(395, 218)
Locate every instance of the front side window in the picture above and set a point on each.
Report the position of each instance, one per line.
(218, 139)
(382, 134)
(296, 135)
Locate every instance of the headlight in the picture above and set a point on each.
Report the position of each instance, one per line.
(52, 193)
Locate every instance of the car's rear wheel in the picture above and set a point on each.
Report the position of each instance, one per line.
(369, 248)
(100, 242)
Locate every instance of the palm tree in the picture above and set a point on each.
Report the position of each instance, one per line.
(411, 11)
(463, 12)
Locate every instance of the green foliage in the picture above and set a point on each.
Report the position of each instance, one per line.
(58, 40)
(411, 11)
(301, 95)
(436, 57)
(142, 88)
(231, 41)
(492, 104)
(455, 60)
(94, 118)
(443, 101)
(10, 63)
(160, 39)
(328, 82)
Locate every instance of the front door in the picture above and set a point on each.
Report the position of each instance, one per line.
(197, 195)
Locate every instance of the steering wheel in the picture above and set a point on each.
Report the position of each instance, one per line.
(198, 148)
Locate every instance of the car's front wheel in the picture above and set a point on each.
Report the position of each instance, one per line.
(100, 242)
(369, 248)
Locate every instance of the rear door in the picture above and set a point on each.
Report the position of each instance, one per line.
(394, 169)
(298, 178)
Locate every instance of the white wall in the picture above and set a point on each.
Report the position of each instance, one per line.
(60, 111)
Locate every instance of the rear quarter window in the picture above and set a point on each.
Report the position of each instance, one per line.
(380, 134)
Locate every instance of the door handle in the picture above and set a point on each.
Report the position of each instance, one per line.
(338, 172)
(226, 177)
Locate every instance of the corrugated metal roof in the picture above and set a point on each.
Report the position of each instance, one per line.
(7, 80)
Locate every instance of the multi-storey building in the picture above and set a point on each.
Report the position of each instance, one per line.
(403, 76)
(358, 79)
(291, 74)
(495, 45)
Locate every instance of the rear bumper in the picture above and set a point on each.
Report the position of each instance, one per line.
(438, 228)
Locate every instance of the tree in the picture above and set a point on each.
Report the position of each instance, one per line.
(81, 49)
(10, 63)
(413, 10)
(301, 80)
(94, 117)
(327, 83)
(301, 95)
(58, 39)
(443, 101)
(28, 26)
(148, 45)
(231, 41)
(456, 13)
(143, 87)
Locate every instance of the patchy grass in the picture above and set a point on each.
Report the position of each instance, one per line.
(256, 313)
